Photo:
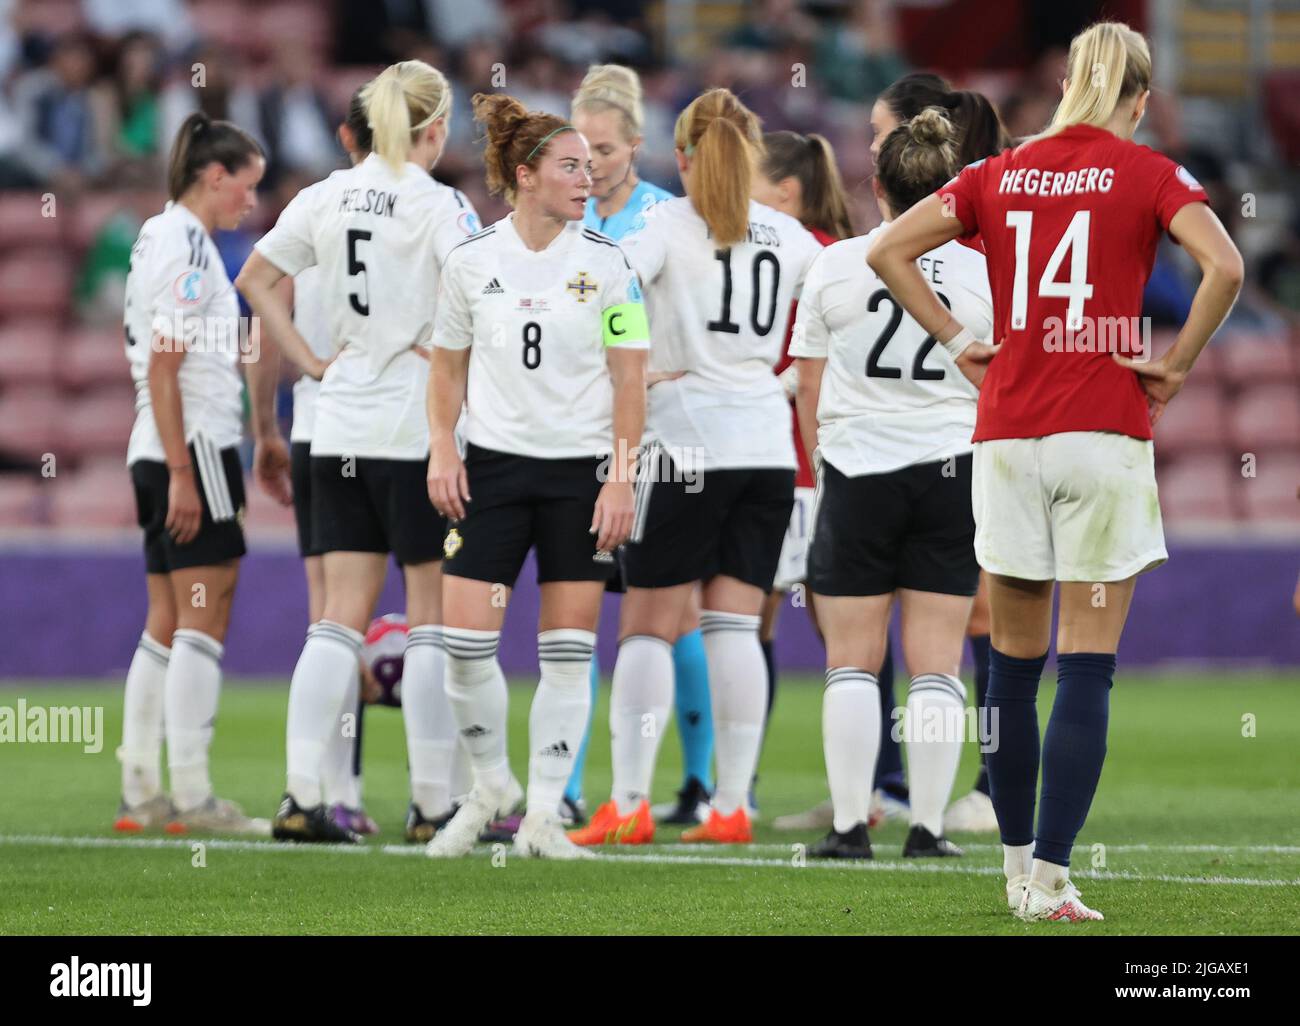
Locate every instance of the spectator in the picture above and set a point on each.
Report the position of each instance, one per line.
(126, 107)
(54, 106)
(858, 59)
(217, 83)
(295, 116)
(168, 18)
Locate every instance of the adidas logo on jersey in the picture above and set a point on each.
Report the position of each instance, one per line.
(493, 288)
(558, 750)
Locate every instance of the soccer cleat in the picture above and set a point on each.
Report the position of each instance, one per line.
(573, 813)
(892, 805)
(720, 829)
(1016, 890)
(355, 820)
(217, 816)
(458, 836)
(544, 838)
(1064, 905)
(309, 826)
(511, 800)
(921, 844)
(691, 807)
(148, 815)
(852, 844)
(608, 827)
(419, 828)
(819, 817)
(502, 831)
(972, 813)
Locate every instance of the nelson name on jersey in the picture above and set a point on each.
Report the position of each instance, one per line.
(367, 201)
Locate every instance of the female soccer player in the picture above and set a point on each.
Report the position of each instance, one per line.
(380, 232)
(182, 341)
(892, 420)
(541, 328)
(1064, 485)
(607, 111)
(798, 176)
(717, 493)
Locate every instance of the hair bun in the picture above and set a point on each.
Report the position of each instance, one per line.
(931, 127)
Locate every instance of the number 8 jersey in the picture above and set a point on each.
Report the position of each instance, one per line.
(537, 325)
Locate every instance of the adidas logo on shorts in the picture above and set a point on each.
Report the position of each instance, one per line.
(493, 288)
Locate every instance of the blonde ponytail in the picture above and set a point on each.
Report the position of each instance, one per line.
(1109, 62)
(723, 139)
(401, 101)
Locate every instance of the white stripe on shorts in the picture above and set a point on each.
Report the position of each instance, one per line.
(212, 475)
(647, 470)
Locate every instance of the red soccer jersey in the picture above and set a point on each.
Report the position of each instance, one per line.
(1070, 225)
(803, 477)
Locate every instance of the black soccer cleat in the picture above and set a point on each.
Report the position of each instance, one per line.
(921, 844)
(692, 795)
(852, 844)
(419, 828)
(572, 813)
(309, 826)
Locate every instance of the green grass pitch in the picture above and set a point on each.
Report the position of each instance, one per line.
(1198, 828)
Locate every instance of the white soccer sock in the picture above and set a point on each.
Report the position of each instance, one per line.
(339, 785)
(640, 701)
(936, 707)
(189, 709)
(738, 687)
(142, 721)
(430, 723)
(476, 689)
(1017, 859)
(1049, 874)
(558, 716)
(462, 771)
(317, 693)
(850, 741)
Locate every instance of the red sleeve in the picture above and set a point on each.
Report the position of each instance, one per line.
(1174, 188)
(961, 197)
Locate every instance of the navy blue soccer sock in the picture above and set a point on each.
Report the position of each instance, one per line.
(979, 650)
(1012, 704)
(1074, 748)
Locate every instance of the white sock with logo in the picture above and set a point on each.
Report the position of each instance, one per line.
(850, 741)
(142, 722)
(190, 696)
(936, 708)
(476, 688)
(318, 692)
(558, 716)
(430, 723)
(640, 702)
(738, 687)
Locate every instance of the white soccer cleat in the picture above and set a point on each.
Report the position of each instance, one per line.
(514, 794)
(460, 834)
(1039, 904)
(819, 817)
(972, 814)
(1016, 891)
(217, 816)
(542, 837)
(152, 814)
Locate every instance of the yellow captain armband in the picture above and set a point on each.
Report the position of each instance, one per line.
(624, 324)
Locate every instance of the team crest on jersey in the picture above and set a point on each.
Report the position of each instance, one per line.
(186, 288)
(452, 543)
(581, 286)
(633, 290)
(469, 223)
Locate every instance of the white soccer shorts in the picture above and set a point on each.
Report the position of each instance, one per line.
(1076, 506)
(793, 567)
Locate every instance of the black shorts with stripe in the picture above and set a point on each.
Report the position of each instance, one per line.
(908, 528)
(522, 502)
(360, 504)
(300, 474)
(691, 527)
(220, 482)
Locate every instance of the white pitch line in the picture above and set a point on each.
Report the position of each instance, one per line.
(1182, 849)
(882, 866)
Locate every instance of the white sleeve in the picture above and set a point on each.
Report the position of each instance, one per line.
(811, 338)
(647, 248)
(460, 223)
(981, 300)
(176, 286)
(623, 317)
(453, 325)
(290, 245)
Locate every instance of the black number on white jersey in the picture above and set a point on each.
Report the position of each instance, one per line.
(356, 266)
(919, 371)
(725, 323)
(532, 345)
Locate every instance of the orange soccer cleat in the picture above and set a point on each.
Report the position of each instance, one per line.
(720, 829)
(608, 827)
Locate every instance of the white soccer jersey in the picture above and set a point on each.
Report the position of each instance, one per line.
(380, 239)
(539, 324)
(177, 288)
(312, 322)
(891, 396)
(720, 315)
